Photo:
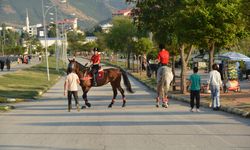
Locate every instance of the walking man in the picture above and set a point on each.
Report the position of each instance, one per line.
(70, 88)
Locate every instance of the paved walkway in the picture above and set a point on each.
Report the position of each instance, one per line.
(15, 66)
(45, 124)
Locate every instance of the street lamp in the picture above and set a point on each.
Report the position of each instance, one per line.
(45, 34)
(3, 44)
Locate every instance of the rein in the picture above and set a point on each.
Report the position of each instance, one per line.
(82, 69)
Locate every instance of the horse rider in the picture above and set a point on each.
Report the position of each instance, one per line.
(163, 56)
(95, 59)
(163, 60)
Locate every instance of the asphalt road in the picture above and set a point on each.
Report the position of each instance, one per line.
(45, 124)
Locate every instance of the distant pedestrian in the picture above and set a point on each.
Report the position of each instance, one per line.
(195, 87)
(7, 62)
(214, 83)
(40, 57)
(1, 64)
(247, 63)
(70, 88)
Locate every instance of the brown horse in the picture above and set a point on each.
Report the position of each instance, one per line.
(111, 75)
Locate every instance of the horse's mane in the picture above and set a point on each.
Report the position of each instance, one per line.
(81, 67)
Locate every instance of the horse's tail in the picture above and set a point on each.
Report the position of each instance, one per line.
(126, 81)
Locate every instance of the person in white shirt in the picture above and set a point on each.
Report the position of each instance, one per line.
(214, 83)
(70, 88)
(247, 63)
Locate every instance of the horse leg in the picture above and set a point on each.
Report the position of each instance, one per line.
(123, 96)
(84, 96)
(114, 96)
(164, 96)
(158, 96)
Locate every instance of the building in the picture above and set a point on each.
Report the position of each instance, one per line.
(106, 27)
(69, 24)
(122, 12)
(8, 28)
(51, 41)
(33, 30)
(90, 39)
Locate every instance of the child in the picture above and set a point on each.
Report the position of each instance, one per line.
(195, 87)
(70, 87)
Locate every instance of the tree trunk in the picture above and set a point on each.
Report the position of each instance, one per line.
(173, 70)
(137, 68)
(211, 56)
(183, 70)
(184, 62)
(128, 59)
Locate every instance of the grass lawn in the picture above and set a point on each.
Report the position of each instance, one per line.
(28, 83)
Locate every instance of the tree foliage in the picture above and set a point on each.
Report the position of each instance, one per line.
(121, 35)
(75, 41)
(143, 46)
(185, 23)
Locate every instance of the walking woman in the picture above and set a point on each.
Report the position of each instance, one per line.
(214, 83)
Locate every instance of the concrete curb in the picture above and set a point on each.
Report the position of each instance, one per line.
(228, 109)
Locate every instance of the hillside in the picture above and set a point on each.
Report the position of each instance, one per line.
(89, 12)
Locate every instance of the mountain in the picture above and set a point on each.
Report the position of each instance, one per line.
(89, 12)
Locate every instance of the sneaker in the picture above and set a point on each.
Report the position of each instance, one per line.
(78, 107)
(157, 105)
(215, 109)
(191, 110)
(197, 110)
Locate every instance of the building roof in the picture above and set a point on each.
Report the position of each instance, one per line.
(65, 21)
(122, 11)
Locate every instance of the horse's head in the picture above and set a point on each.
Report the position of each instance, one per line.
(76, 67)
(72, 66)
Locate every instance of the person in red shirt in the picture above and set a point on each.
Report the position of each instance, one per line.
(163, 60)
(163, 56)
(95, 59)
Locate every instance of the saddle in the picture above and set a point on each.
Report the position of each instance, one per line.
(89, 75)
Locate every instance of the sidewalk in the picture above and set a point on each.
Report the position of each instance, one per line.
(16, 67)
(232, 102)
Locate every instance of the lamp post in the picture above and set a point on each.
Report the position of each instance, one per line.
(45, 35)
(3, 44)
(57, 36)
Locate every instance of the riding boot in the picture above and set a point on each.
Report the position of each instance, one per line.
(94, 80)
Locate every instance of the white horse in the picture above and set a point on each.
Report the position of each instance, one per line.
(164, 78)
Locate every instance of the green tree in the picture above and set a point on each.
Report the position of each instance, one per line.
(75, 40)
(165, 19)
(223, 24)
(52, 31)
(186, 23)
(101, 41)
(142, 47)
(89, 46)
(120, 38)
